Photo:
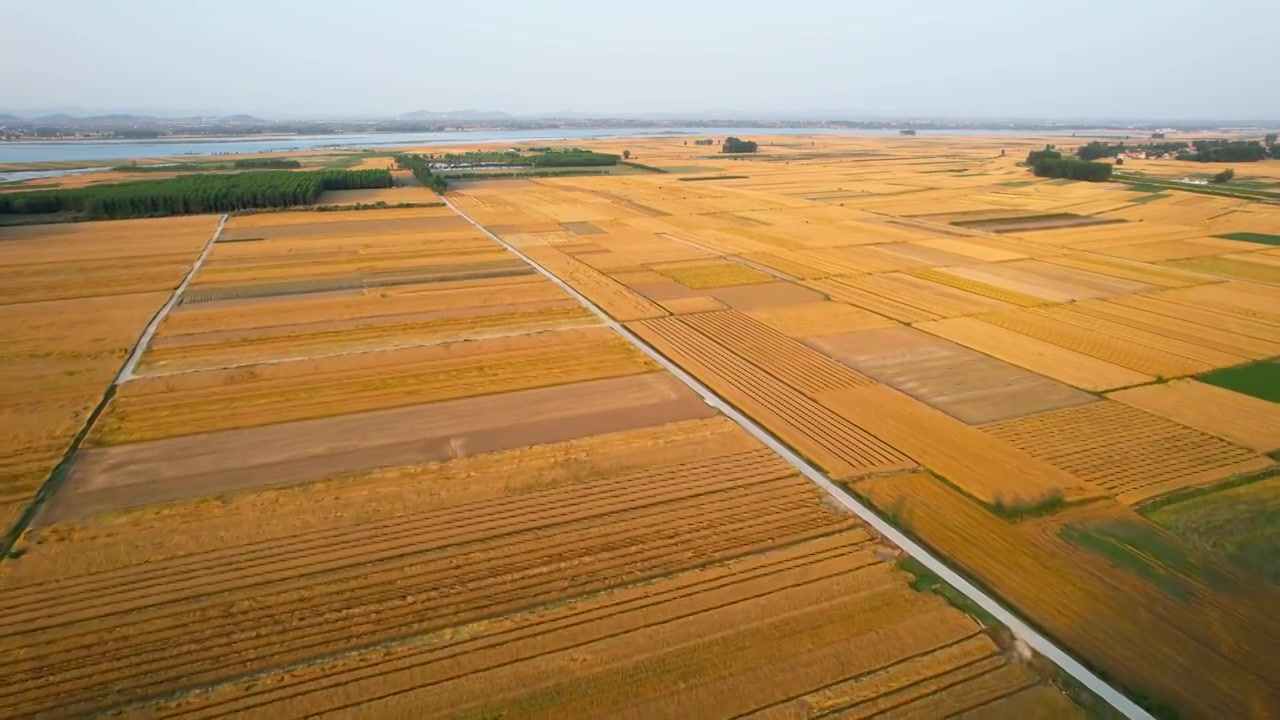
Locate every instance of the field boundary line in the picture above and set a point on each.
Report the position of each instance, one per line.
(63, 468)
(365, 351)
(1020, 629)
(140, 347)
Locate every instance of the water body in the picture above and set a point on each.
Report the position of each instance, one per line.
(115, 150)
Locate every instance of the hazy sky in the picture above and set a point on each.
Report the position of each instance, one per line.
(988, 58)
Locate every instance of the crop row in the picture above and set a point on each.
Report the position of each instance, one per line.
(1125, 449)
(785, 572)
(598, 545)
(841, 448)
(788, 360)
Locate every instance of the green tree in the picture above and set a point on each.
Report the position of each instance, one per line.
(1224, 176)
(626, 154)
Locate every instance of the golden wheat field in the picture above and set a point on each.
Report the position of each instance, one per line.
(374, 464)
(939, 308)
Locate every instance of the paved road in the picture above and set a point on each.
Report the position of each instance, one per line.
(1020, 629)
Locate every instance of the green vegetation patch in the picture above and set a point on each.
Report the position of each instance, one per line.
(1149, 198)
(1263, 238)
(1238, 521)
(1149, 553)
(714, 177)
(925, 580)
(1144, 187)
(1019, 183)
(1260, 379)
(1046, 505)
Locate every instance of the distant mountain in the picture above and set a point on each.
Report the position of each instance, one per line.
(9, 118)
(242, 119)
(455, 115)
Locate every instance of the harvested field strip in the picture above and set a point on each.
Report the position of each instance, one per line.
(1231, 268)
(1212, 337)
(1132, 453)
(1077, 315)
(445, 610)
(253, 270)
(1041, 701)
(1238, 418)
(1210, 661)
(905, 298)
(130, 476)
(614, 298)
(246, 292)
(908, 672)
(977, 288)
(1034, 222)
(768, 503)
(268, 327)
(736, 669)
(838, 264)
(519, 512)
(1138, 272)
(553, 309)
(136, 414)
(391, 278)
(1038, 356)
(788, 265)
(839, 447)
(585, 531)
(782, 357)
(1202, 316)
(179, 674)
(714, 275)
(728, 610)
(1123, 351)
(958, 691)
(765, 579)
(986, 468)
(815, 319)
(840, 290)
(189, 353)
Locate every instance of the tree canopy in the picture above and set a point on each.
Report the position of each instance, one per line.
(421, 170)
(271, 163)
(1072, 168)
(735, 145)
(193, 194)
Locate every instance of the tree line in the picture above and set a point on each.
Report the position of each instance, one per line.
(193, 194)
(736, 145)
(1195, 151)
(1050, 163)
(267, 163)
(421, 170)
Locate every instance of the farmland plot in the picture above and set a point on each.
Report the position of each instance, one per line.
(1134, 454)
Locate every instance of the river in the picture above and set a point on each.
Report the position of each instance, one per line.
(39, 151)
